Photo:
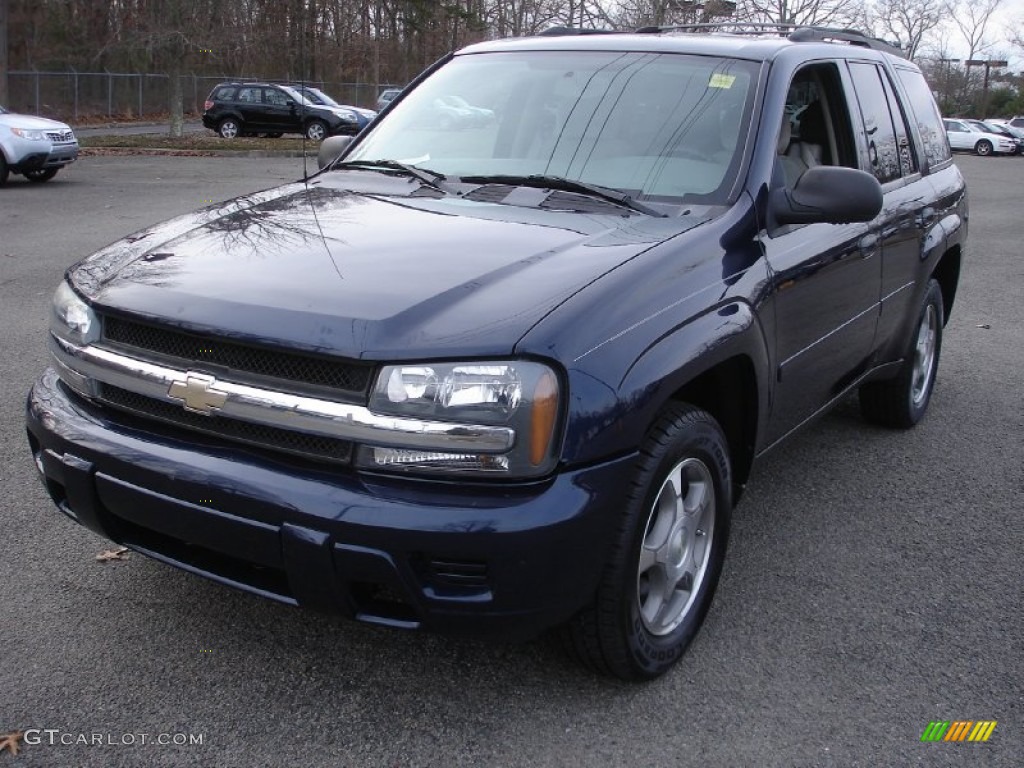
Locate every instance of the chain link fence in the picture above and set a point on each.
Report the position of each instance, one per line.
(75, 96)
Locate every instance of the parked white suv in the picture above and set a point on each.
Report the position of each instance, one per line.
(34, 146)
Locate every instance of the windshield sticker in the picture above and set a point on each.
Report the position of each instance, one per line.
(718, 80)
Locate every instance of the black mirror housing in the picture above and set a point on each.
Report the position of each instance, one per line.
(827, 194)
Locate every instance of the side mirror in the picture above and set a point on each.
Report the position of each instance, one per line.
(289, 103)
(331, 149)
(827, 194)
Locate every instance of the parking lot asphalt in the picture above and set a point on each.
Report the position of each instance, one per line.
(873, 582)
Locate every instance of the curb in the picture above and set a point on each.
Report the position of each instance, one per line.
(170, 152)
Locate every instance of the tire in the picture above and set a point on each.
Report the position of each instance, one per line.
(4, 170)
(983, 148)
(228, 128)
(901, 402)
(42, 175)
(638, 626)
(316, 130)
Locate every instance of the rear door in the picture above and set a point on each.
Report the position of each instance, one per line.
(250, 107)
(907, 212)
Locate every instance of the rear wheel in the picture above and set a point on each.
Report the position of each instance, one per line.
(902, 401)
(983, 147)
(228, 128)
(42, 175)
(4, 170)
(658, 585)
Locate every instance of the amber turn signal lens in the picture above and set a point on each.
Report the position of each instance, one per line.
(542, 418)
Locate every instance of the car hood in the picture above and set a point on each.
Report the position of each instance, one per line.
(366, 265)
(32, 123)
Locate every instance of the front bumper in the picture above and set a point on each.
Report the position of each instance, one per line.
(481, 559)
(34, 157)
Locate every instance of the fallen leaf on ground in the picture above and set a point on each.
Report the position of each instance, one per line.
(984, 325)
(9, 741)
(112, 554)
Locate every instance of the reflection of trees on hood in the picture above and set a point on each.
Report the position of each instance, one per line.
(268, 229)
(284, 222)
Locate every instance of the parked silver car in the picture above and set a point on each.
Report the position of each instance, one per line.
(964, 136)
(386, 97)
(34, 146)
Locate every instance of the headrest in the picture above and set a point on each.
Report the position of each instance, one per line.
(812, 124)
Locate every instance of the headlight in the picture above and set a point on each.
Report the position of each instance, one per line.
(72, 319)
(27, 134)
(520, 394)
(347, 115)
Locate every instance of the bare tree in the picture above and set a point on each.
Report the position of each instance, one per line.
(908, 22)
(971, 18)
(825, 13)
(3, 51)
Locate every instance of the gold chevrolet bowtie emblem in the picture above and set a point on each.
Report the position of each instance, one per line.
(197, 394)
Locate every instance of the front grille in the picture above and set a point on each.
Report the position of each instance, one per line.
(60, 136)
(346, 378)
(317, 447)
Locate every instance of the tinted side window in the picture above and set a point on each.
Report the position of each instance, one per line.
(275, 97)
(250, 95)
(883, 152)
(926, 115)
(224, 93)
(908, 160)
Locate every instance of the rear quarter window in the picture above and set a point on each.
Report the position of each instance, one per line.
(224, 93)
(925, 115)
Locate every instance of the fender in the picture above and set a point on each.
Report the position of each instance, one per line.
(618, 414)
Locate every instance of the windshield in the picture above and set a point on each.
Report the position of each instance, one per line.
(657, 126)
(323, 98)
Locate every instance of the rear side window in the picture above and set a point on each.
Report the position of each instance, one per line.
(224, 93)
(250, 95)
(925, 115)
(879, 125)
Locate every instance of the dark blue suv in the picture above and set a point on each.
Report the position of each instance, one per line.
(513, 377)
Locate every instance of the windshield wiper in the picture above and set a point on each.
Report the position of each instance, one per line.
(427, 176)
(563, 184)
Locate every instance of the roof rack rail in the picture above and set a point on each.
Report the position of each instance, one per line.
(794, 32)
(732, 27)
(562, 31)
(851, 36)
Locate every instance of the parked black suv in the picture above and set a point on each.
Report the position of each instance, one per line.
(238, 109)
(515, 376)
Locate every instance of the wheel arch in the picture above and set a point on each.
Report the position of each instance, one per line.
(947, 273)
(724, 371)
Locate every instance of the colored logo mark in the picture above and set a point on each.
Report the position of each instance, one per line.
(958, 730)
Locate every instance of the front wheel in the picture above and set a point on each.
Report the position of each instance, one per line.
(42, 175)
(4, 170)
(316, 130)
(901, 402)
(983, 148)
(667, 559)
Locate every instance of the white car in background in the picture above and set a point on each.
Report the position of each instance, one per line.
(964, 136)
(34, 146)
